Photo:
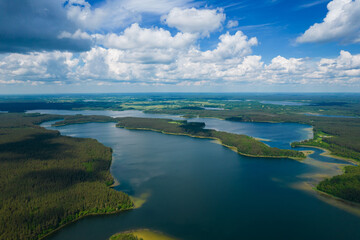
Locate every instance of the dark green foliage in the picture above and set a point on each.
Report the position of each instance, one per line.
(48, 180)
(346, 186)
(244, 144)
(30, 105)
(124, 236)
(83, 119)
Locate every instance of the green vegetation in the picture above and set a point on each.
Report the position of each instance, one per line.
(244, 144)
(124, 236)
(48, 180)
(141, 234)
(323, 140)
(344, 132)
(75, 119)
(345, 186)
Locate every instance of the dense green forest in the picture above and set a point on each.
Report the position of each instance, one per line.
(345, 186)
(75, 119)
(244, 144)
(48, 180)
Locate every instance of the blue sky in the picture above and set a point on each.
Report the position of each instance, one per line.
(179, 45)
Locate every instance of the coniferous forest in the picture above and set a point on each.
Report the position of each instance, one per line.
(48, 180)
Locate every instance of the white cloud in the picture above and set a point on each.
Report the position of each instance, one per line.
(38, 66)
(343, 67)
(154, 6)
(137, 37)
(153, 56)
(233, 46)
(342, 23)
(232, 23)
(115, 14)
(202, 21)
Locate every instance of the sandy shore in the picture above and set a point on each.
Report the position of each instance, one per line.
(327, 153)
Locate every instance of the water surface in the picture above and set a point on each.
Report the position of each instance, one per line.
(275, 134)
(201, 190)
(285, 103)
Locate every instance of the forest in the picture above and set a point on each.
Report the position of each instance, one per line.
(48, 180)
(77, 119)
(345, 186)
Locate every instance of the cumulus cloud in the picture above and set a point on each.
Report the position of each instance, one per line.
(233, 46)
(38, 66)
(35, 25)
(115, 14)
(340, 24)
(137, 37)
(154, 56)
(192, 20)
(65, 25)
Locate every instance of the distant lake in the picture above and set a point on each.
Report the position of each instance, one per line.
(201, 190)
(285, 103)
(213, 108)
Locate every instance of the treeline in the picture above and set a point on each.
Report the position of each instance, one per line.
(345, 186)
(245, 145)
(48, 180)
(23, 106)
(75, 119)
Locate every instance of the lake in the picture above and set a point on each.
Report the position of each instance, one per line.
(198, 189)
(285, 103)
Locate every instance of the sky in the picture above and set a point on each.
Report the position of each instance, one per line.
(105, 46)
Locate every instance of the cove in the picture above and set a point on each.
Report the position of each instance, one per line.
(201, 190)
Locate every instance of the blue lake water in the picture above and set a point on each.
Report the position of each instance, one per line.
(201, 190)
(276, 134)
(285, 103)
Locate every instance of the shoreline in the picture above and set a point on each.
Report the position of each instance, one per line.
(343, 204)
(79, 218)
(213, 138)
(145, 234)
(114, 184)
(327, 153)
